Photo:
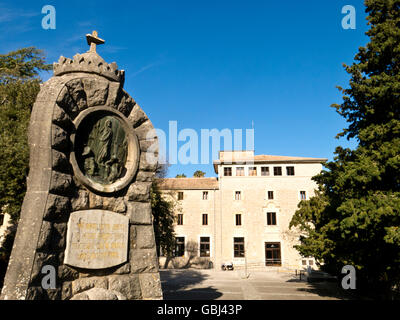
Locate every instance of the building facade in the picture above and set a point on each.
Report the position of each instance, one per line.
(243, 215)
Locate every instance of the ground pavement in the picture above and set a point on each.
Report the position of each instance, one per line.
(192, 284)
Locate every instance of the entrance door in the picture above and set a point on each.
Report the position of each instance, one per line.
(273, 254)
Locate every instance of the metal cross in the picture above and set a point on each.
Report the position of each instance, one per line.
(93, 40)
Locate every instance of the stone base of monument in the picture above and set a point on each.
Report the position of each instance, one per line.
(87, 210)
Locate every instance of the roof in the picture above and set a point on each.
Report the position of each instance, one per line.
(188, 183)
(258, 159)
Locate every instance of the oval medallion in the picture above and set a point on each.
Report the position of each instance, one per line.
(106, 151)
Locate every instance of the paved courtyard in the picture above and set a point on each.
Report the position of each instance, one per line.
(191, 284)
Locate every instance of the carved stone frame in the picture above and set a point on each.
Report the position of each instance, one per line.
(132, 161)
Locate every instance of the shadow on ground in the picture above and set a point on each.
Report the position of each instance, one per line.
(177, 286)
(326, 289)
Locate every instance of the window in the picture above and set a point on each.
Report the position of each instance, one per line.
(303, 195)
(238, 247)
(180, 219)
(204, 246)
(271, 218)
(238, 219)
(1, 219)
(290, 171)
(265, 171)
(205, 195)
(180, 195)
(240, 171)
(277, 171)
(205, 219)
(270, 195)
(238, 195)
(252, 171)
(180, 246)
(272, 254)
(304, 262)
(228, 172)
(310, 262)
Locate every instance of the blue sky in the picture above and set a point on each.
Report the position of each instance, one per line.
(214, 64)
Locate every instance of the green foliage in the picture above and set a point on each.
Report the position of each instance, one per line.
(182, 175)
(199, 174)
(18, 89)
(163, 209)
(163, 220)
(22, 64)
(354, 218)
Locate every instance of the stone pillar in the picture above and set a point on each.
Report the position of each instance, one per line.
(87, 209)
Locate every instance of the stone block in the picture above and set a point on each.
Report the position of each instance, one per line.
(150, 284)
(41, 259)
(143, 260)
(148, 161)
(139, 212)
(139, 191)
(95, 201)
(77, 92)
(66, 102)
(38, 293)
(127, 285)
(98, 294)
(83, 284)
(114, 204)
(113, 92)
(58, 236)
(96, 91)
(60, 139)
(146, 131)
(67, 273)
(80, 201)
(126, 104)
(145, 237)
(56, 207)
(44, 236)
(124, 269)
(60, 162)
(150, 145)
(66, 291)
(137, 116)
(60, 183)
(145, 176)
(61, 119)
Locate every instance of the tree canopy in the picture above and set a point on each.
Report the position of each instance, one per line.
(199, 174)
(19, 87)
(163, 209)
(354, 217)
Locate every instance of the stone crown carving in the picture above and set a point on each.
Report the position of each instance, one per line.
(89, 62)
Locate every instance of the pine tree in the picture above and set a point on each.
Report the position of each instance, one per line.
(354, 218)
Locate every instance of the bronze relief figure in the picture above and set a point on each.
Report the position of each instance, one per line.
(104, 148)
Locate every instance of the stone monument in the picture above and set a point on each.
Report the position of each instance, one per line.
(87, 212)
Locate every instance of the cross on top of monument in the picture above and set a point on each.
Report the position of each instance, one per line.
(93, 40)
